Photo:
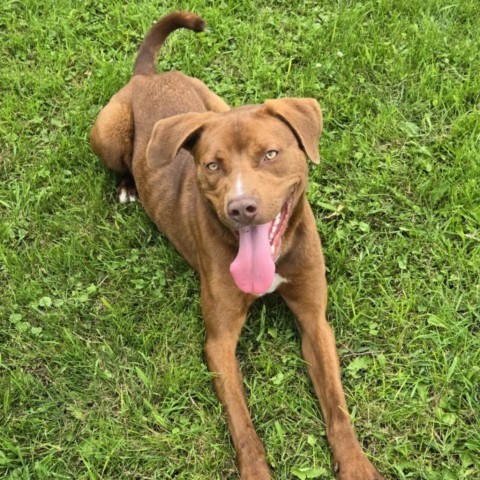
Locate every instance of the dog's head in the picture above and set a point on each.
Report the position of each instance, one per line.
(251, 167)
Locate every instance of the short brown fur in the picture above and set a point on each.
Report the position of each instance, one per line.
(165, 130)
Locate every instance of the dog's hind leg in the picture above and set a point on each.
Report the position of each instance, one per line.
(111, 139)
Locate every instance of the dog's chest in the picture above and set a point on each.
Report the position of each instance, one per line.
(277, 281)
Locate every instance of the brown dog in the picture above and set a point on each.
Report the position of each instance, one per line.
(227, 187)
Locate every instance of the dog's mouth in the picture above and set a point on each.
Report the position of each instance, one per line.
(253, 269)
(277, 228)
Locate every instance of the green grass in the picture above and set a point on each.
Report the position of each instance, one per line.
(101, 339)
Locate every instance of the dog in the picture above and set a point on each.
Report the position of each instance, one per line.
(227, 187)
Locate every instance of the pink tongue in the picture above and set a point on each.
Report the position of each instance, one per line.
(253, 268)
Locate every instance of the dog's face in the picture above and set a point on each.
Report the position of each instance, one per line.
(251, 168)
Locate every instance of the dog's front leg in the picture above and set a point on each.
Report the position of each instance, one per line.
(224, 315)
(308, 301)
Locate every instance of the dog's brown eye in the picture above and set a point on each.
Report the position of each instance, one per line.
(213, 166)
(271, 154)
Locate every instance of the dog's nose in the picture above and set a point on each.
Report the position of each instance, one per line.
(242, 209)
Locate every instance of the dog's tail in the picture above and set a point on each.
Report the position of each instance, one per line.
(145, 63)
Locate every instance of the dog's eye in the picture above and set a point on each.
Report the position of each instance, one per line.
(270, 155)
(212, 166)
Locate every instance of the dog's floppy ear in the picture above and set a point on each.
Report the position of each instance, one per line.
(304, 117)
(171, 134)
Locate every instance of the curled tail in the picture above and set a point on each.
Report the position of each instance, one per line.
(145, 63)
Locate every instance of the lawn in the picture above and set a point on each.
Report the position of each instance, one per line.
(102, 373)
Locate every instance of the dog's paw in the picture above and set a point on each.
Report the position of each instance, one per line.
(126, 195)
(127, 191)
(252, 463)
(359, 468)
(260, 472)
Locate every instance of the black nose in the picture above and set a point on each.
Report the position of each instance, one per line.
(242, 209)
